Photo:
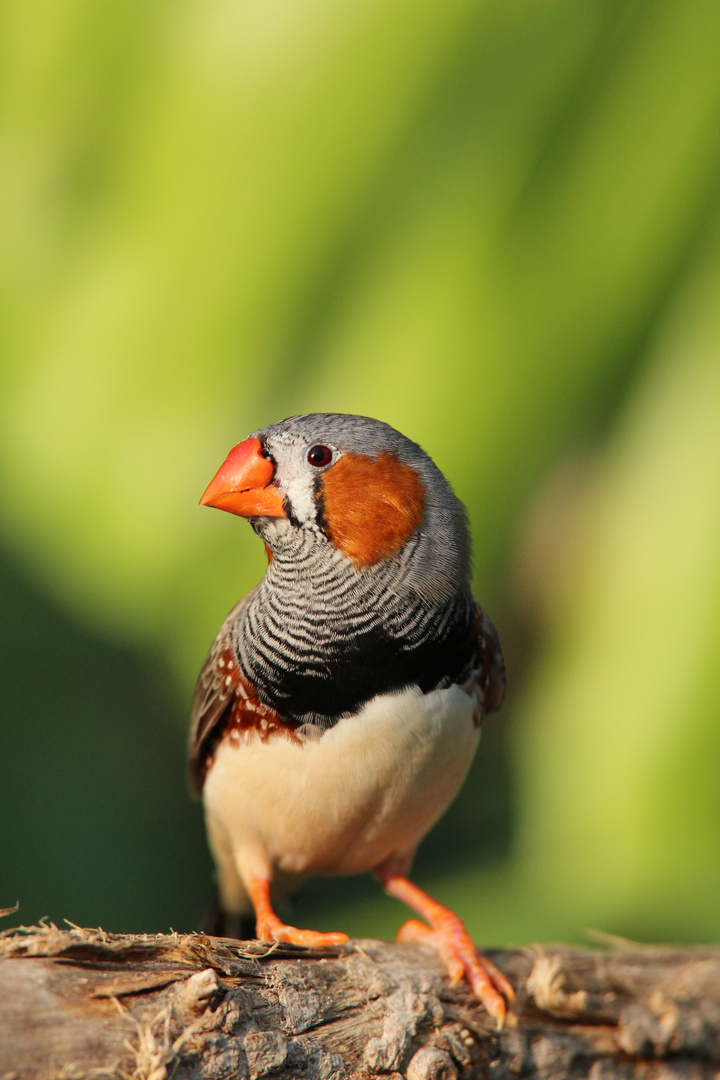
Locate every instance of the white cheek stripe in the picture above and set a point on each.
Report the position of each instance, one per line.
(369, 788)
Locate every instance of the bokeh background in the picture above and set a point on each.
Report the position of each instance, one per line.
(494, 224)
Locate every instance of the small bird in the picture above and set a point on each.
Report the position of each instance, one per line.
(339, 708)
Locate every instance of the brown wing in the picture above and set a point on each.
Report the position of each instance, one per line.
(490, 676)
(214, 700)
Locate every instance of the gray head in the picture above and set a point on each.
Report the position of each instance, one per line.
(357, 487)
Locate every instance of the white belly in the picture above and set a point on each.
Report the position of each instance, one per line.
(368, 788)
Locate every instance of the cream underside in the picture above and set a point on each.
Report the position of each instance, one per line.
(369, 788)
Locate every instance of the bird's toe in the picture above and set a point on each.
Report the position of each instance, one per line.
(272, 929)
(462, 960)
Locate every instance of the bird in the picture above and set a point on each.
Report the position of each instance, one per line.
(339, 707)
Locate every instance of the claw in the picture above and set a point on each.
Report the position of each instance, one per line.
(448, 935)
(271, 928)
(415, 931)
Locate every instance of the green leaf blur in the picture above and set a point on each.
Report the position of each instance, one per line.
(493, 225)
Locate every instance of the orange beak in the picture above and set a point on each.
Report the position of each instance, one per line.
(241, 484)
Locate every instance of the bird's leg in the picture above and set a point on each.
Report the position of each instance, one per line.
(448, 935)
(270, 927)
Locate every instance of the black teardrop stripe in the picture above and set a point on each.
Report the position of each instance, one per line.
(319, 640)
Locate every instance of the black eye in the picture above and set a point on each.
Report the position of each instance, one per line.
(319, 455)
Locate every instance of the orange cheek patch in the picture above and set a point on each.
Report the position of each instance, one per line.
(371, 506)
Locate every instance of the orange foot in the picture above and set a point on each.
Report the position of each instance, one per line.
(448, 935)
(270, 927)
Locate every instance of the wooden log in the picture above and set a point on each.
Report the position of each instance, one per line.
(80, 1003)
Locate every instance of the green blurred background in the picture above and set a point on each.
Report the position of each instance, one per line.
(495, 225)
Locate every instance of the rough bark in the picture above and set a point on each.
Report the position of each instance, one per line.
(82, 1003)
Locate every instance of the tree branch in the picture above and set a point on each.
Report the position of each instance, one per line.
(78, 1004)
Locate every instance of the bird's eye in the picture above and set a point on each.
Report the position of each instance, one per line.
(319, 455)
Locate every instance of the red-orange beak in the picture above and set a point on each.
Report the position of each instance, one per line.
(241, 484)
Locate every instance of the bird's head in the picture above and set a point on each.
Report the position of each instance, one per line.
(355, 485)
